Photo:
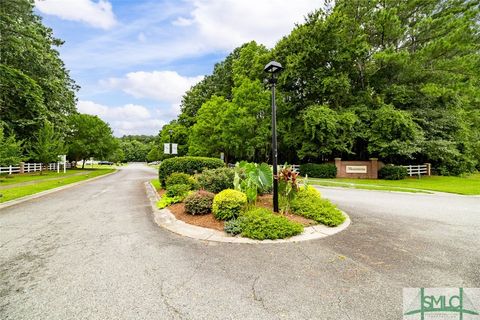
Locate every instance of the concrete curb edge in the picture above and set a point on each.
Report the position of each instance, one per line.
(164, 218)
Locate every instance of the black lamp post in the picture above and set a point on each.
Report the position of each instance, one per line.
(273, 68)
(170, 140)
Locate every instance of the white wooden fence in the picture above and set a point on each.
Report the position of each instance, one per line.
(295, 167)
(10, 169)
(33, 167)
(418, 169)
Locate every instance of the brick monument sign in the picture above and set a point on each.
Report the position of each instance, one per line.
(358, 169)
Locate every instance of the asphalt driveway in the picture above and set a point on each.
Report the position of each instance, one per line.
(93, 252)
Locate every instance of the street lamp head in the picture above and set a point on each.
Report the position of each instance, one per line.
(273, 67)
(170, 131)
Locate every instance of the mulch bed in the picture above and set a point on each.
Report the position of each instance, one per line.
(201, 220)
(208, 221)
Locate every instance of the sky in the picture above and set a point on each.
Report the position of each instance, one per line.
(134, 59)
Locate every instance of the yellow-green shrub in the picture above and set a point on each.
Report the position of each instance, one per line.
(309, 204)
(228, 204)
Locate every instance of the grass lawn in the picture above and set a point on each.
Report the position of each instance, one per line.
(59, 180)
(156, 184)
(469, 185)
(35, 176)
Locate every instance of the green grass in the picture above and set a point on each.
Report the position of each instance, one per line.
(468, 185)
(156, 184)
(20, 191)
(35, 176)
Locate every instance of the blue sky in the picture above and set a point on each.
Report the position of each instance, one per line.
(135, 59)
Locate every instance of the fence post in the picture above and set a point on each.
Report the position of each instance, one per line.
(429, 168)
(22, 167)
(10, 169)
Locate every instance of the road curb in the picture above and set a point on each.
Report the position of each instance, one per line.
(10, 203)
(165, 219)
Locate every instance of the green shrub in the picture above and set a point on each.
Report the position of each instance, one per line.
(199, 202)
(228, 204)
(314, 170)
(216, 180)
(309, 204)
(165, 201)
(234, 226)
(391, 172)
(177, 190)
(261, 223)
(181, 178)
(189, 165)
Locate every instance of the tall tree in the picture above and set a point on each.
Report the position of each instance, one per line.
(35, 84)
(88, 137)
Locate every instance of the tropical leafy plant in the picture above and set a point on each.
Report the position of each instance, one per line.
(252, 179)
(287, 186)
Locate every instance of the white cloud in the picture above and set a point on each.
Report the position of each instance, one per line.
(185, 29)
(97, 14)
(166, 86)
(128, 119)
(230, 23)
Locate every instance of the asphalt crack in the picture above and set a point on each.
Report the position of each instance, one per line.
(256, 296)
(167, 303)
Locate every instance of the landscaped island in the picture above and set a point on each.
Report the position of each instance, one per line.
(202, 191)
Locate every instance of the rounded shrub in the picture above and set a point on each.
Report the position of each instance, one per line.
(391, 172)
(315, 170)
(189, 165)
(309, 204)
(199, 202)
(234, 226)
(181, 178)
(177, 190)
(261, 223)
(216, 180)
(228, 204)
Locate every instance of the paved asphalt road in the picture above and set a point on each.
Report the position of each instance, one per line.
(93, 252)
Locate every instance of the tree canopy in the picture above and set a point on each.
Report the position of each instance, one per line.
(37, 95)
(35, 85)
(89, 136)
(387, 79)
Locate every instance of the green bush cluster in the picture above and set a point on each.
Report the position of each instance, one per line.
(189, 165)
(315, 170)
(165, 201)
(228, 204)
(199, 202)
(216, 180)
(234, 226)
(181, 178)
(177, 190)
(261, 224)
(309, 204)
(391, 172)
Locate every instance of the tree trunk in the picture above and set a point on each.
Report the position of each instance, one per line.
(83, 163)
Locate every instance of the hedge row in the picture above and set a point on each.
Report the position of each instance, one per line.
(189, 165)
(314, 170)
(391, 172)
